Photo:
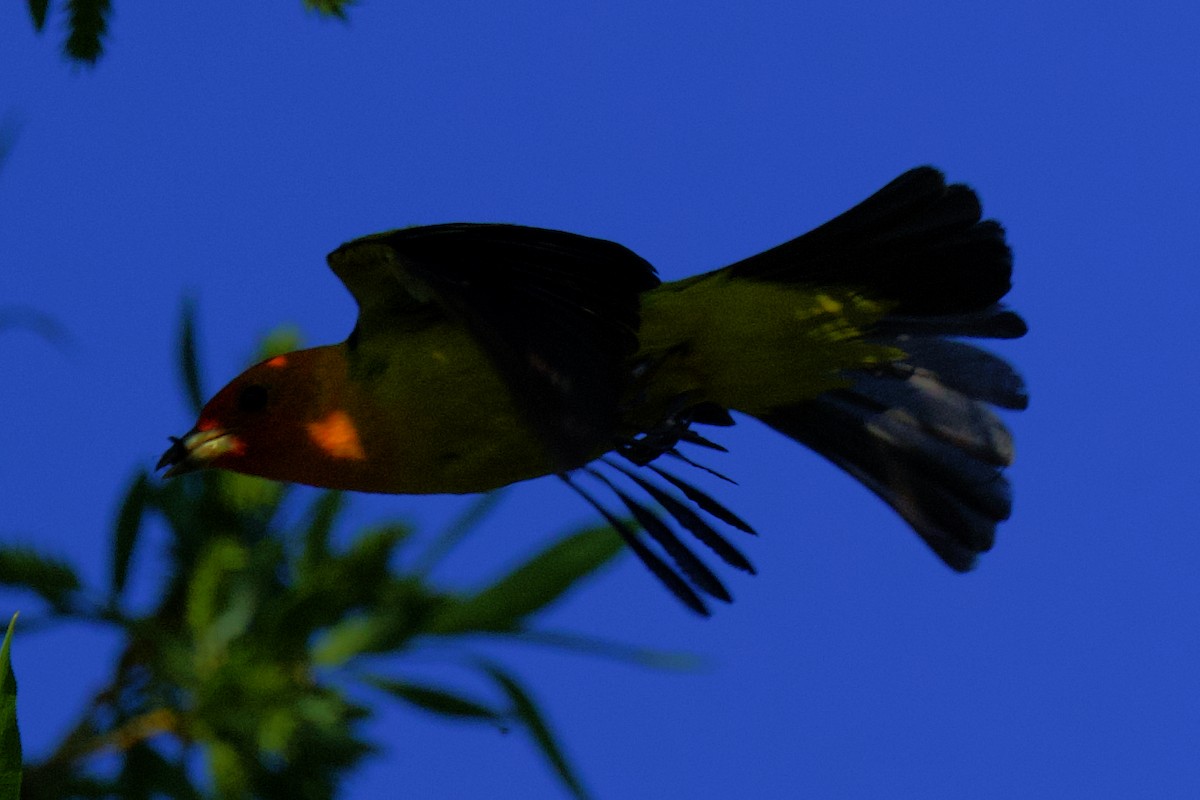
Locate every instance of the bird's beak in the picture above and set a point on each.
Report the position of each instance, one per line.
(196, 450)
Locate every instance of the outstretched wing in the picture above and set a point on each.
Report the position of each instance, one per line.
(557, 313)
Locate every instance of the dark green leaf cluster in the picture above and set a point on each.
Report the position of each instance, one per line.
(87, 23)
(236, 675)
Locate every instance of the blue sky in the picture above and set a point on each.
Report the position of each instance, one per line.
(224, 152)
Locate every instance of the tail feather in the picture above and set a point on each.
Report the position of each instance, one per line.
(918, 432)
(967, 369)
(936, 410)
(993, 322)
(916, 242)
(953, 501)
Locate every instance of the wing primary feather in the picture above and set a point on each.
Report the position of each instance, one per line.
(659, 531)
(705, 501)
(691, 437)
(692, 522)
(677, 585)
(681, 457)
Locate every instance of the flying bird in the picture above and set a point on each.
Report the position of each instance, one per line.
(486, 354)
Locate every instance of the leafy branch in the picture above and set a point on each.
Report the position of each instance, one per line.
(260, 628)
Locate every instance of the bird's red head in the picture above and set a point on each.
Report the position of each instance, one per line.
(282, 419)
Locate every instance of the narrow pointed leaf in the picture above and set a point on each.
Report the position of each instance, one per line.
(322, 515)
(330, 8)
(208, 591)
(528, 714)
(53, 580)
(37, 11)
(255, 500)
(617, 651)
(280, 341)
(435, 700)
(368, 559)
(466, 522)
(189, 362)
(125, 531)
(531, 586)
(9, 128)
(22, 318)
(10, 737)
(351, 637)
(147, 774)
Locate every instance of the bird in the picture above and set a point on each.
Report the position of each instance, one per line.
(486, 354)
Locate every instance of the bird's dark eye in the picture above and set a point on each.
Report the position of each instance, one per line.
(252, 398)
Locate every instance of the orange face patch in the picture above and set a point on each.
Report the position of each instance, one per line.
(336, 435)
(278, 362)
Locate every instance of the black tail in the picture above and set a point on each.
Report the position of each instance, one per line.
(918, 432)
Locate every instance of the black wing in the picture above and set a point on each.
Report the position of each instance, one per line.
(557, 312)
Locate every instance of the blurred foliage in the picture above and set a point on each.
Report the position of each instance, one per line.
(23, 318)
(87, 23)
(8, 137)
(10, 737)
(332, 8)
(238, 681)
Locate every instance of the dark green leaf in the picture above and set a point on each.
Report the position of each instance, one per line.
(531, 586)
(146, 775)
(229, 769)
(437, 701)
(528, 714)
(209, 591)
(49, 578)
(126, 529)
(321, 516)
(618, 651)
(380, 620)
(189, 362)
(44, 781)
(8, 137)
(367, 560)
(330, 8)
(37, 10)
(345, 640)
(255, 500)
(33, 321)
(87, 22)
(457, 530)
(281, 340)
(10, 737)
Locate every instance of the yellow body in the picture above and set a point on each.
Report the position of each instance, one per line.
(423, 410)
